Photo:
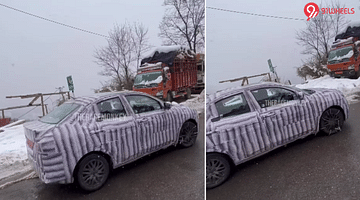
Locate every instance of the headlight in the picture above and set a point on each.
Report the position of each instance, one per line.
(351, 67)
(160, 93)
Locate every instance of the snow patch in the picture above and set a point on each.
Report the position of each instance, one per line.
(150, 65)
(196, 103)
(13, 153)
(349, 87)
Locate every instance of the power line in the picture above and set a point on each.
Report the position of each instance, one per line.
(59, 23)
(255, 14)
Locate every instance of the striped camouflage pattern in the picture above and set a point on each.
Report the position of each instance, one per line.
(58, 148)
(252, 134)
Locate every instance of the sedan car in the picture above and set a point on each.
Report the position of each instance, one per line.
(84, 138)
(246, 122)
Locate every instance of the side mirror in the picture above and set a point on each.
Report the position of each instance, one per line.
(301, 95)
(98, 119)
(215, 119)
(167, 106)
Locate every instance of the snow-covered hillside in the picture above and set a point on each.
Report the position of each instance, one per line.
(349, 87)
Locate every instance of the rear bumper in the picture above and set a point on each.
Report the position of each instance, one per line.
(49, 167)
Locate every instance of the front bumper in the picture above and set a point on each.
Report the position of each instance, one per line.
(343, 73)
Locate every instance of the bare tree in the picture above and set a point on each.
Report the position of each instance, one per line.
(184, 23)
(316, 38)
(141, 42)
(126, 44)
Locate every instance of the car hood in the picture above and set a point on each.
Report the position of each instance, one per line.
(326, 91)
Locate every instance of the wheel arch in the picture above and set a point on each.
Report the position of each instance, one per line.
(105, 155)
(231, 161)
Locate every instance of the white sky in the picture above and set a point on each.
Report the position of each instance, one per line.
(239, 45)
(37, 55)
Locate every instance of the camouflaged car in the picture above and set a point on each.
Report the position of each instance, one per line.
(245, 122)
(84, 138)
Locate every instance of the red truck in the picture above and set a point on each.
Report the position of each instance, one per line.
(170, 72)
(343, 58)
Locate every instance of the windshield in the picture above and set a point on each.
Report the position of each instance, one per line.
(341, 55)
(59, 113)
(148, 78)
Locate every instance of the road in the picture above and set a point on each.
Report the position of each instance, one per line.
(317, 167)
(173, 173)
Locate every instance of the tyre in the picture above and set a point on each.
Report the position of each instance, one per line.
(217, 170)
(331, 121)
(169, 97)
(188, 134)
(92, 172)
(188, 93)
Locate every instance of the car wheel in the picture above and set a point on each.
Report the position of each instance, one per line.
(331, 121)
(217, 170)
(188, 134)
(188, 93)
(93, 172)
(169, 97)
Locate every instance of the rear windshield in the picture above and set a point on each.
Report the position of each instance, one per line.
(59, 113)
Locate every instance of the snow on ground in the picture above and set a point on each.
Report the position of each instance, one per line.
(13, 154)
(349, 87)
(196, 103)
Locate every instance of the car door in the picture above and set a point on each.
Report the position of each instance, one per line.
(150, 121)
(117, 131)
(280, 110)
(239, 132)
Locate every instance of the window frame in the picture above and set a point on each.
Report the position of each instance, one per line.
(103, 100)
(150, 97)
(232, 95)
(275, 105)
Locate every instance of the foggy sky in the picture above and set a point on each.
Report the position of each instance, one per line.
(37, 55)
(239, 45)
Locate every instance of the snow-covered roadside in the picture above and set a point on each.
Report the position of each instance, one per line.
(13, 154)
(196, 103)
(349, 87)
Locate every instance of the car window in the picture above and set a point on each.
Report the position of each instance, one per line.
(111, 108)
(267, 97)
(142, 104)
(234, 105)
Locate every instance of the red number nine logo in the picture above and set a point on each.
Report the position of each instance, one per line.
(311, 10)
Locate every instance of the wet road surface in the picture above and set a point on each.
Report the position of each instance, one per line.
(173, 173)
(317, 167)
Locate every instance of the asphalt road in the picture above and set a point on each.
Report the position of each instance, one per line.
(317, 167)
(173, 173)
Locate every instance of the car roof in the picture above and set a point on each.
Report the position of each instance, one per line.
(84, 100)
(232, 90)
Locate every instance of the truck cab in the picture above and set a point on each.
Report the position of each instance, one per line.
(153, 79)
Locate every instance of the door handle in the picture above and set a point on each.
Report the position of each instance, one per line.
(97, 131)
(269, 114)
(143, 120)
